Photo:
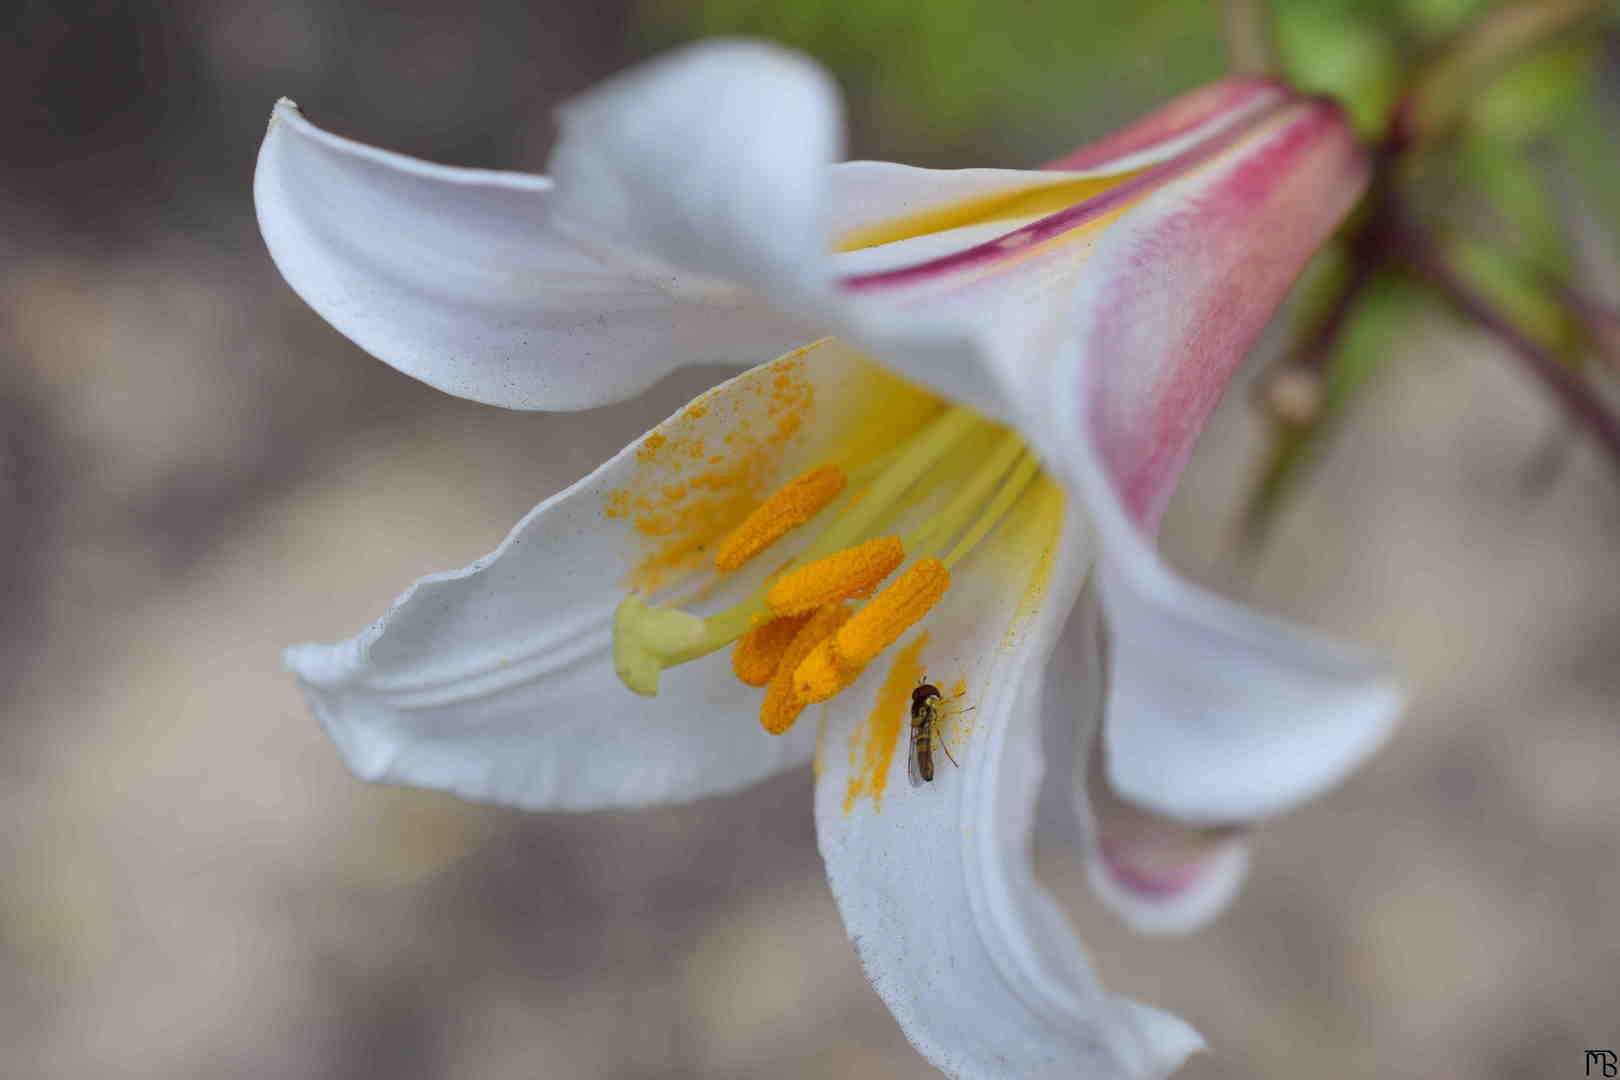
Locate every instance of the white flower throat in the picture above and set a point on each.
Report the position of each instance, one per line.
(948, 482)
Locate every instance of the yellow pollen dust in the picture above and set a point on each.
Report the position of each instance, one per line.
(793, 505)
(706, 468)
(848, 574)
(759, 652)
(872, 745)
(951, 476)
(782, 704)
(871, 630)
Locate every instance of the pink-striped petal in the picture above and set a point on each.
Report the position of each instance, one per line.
(1012, 245)
(935, 882)
(1160, 876)
(1099, 308)
(1215, 714)
(1175, 124)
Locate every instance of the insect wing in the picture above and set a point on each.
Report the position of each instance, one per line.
(913, 769)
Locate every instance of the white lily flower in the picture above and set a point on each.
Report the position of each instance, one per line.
(1006, 372)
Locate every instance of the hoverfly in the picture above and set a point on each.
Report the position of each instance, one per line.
(924, 717)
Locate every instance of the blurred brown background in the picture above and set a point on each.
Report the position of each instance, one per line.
(195, 472)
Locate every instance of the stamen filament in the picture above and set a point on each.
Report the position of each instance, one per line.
(867, 471)
(913, 459)
(926, 538)
(722, 629)
(797, 638)
(919, 455)
(1022, 474)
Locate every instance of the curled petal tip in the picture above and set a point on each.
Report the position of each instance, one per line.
(470, 280)
(1157, 898)
(1218, 715)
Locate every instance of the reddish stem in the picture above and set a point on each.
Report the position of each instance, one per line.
(1601, 322)
(1567, 385)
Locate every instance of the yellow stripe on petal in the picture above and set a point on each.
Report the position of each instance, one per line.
(1001, 206)
(872, 745)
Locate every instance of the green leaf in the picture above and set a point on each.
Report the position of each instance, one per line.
(1513, 290)
(1527, 98)
(1347, 49)
(1519, 215)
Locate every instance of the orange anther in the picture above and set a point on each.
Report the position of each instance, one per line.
(782, 705)
(822, 674)
(780, 708)
(881, 622)
(796, 503)
(848, 574)
(759, 652)
(838, 661)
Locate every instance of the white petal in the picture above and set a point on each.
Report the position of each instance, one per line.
(495, 682)
(935, 883)
(718, 159)
(711, 159)
(1159, 875)
(1216, 714)
(1226, 715)
(866, 194)
(461, 278)
(684, 191)
(1156, 908)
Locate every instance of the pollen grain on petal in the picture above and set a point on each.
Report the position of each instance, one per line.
(873, 743)
(704, 470)
(791, 506)
(782, 704)
(759, 652)
(881, 622)
(849, 574)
